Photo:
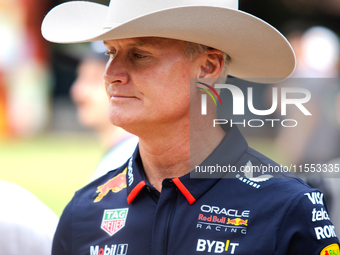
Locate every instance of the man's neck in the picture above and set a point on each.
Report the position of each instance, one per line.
(177, 152)
(165, 156)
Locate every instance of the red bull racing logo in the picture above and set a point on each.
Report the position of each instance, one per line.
(115, 184)
(214, 218)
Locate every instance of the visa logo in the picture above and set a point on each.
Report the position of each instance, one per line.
(315, 197)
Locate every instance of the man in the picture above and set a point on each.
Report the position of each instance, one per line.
(89, 96)
(150, 205)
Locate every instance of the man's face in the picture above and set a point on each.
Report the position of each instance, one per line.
(148, 81)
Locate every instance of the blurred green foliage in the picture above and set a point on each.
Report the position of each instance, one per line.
(51, 166)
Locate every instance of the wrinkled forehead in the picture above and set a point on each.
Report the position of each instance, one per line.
(155, 42)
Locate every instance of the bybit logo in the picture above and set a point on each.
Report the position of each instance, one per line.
(213, 246)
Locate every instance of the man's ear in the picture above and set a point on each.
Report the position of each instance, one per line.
(213, 65)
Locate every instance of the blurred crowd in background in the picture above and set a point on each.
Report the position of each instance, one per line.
(36, 78)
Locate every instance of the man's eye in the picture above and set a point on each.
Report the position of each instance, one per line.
(136, 55)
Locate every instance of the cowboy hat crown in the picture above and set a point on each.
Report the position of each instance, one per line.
(122, 11)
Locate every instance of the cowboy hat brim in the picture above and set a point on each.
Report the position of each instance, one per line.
(257, 50)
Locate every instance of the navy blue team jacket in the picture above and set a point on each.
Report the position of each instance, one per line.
(121, 213)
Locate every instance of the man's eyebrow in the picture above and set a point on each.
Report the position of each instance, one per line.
(141, 43)
(145, 41)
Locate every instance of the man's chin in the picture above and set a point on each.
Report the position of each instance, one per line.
(122, 122)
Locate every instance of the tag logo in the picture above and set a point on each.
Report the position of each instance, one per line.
(115, 184)
(114, 220)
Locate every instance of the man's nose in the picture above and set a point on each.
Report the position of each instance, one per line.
(116, 71)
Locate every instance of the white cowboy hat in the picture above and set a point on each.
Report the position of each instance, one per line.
(257, 50)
